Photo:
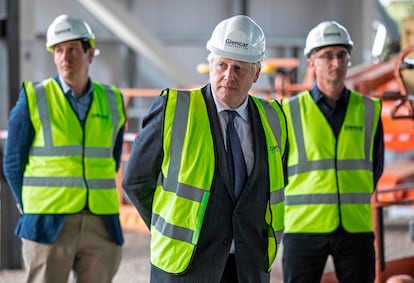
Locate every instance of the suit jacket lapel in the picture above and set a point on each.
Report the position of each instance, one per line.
(222, 167)
(258, 143)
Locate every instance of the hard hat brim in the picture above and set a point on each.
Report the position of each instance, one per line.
(235, 56)
(51, 45)
(316, 49)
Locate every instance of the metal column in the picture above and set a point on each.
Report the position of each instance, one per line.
(10, 247)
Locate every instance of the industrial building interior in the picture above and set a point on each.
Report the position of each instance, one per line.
(146, 46)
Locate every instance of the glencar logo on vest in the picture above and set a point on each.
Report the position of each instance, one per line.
(274, 148)
(353, 128)
(100, 116)
(236, 44)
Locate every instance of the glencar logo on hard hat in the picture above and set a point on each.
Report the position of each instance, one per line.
(238, 38)
(62, 31)
(236, 44)
(327, 33)
(334, 34)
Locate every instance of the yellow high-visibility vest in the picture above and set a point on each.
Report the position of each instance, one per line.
(71, 166)
(180, 202)
(330, 180)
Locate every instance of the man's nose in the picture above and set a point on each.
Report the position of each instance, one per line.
(65, 54)
(229, 74)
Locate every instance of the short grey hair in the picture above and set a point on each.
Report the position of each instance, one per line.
(211, 57)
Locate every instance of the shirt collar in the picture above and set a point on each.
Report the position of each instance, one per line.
(241, 110)
(318, 95)
(66, 88)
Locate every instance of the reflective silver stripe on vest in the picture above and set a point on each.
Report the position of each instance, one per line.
(171, 182)
(55, 151)
(113, 108)
(49, 150)
(101, 184)
(177, 140)
(77, 182)
(172, 231)
(346, 198)
(355, 198)
(71, 150)
(44, 114)
(188, 192)
(304, 165)
(277, 197)
(274, 122)
(98, 152)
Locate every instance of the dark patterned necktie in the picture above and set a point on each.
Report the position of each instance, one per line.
(235, 154)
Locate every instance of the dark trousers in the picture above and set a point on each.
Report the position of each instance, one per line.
(304, 257)
(230, 271)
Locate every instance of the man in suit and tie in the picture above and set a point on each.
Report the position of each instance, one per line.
(207, 171)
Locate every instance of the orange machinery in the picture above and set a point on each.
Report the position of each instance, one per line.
(130, 219)
(396, 187)
(393, 82)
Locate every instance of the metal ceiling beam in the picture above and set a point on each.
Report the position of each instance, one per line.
(126, 27)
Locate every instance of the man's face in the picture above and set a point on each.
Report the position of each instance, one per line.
(71, 60)
(231, 80)
(330, 63)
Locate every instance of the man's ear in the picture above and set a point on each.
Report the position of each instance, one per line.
(91, 54)
(257, 74)
(310, 62)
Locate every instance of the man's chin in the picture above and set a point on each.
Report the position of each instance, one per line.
(66, 74)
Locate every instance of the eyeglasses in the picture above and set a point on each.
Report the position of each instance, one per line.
(328, 56)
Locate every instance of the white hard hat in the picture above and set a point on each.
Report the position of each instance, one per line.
(65, 28)
(238, 38)
(327, 33)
